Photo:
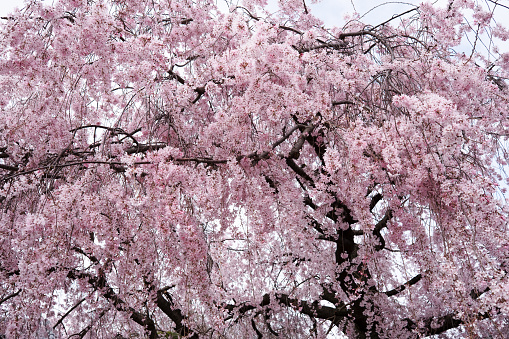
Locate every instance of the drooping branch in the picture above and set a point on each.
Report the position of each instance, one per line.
(333, 45)
(113, 130)
(297, 146)
(299, 171)
(257, 331)
(70, 164)
(395, 16)
(376, 198)
(68, 312)
(141, 148)
(378, 228)
(381, 39)
(9, 168)
(12, 295)
(311, 309)
(437, 325)
(401, 288)
(99, 283)
(174, 314)
(83, 332)
(343, 102)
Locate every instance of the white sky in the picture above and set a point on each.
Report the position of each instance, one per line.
(6, 6)
(331, 11)
(373, 12)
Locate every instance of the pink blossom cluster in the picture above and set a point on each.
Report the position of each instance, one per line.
(172, 169)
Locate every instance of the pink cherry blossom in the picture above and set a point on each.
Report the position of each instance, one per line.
(169, 169)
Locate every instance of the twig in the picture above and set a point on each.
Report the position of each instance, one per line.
(342, 36)
(343, 102)
(12, 295)
(202, 160)
(401, 288)
(9, 168)
(497, 4)
(68, 312)
(305, 7)
(111, 129)
(395, 16)
(286, 28)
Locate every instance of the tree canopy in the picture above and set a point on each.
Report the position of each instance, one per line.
(174, 169)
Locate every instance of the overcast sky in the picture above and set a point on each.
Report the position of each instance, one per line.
(331, 11)
(7, 6)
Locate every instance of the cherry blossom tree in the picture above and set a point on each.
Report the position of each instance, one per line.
(172, 169)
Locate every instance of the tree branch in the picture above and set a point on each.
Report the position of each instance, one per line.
(174, 314)
(498, 4)
(298, 170)
(436, 325)
(286, 28)
(395, 17)
(119, 166)
(401, 288)
(378, 228)
(295, 151)
(342, 36)
(99, 283)
(9, 168)
(286, 136)
(68, 312)
(200, 91)
(70, 164)
(258, 333)
(343, 102)
(12, 295)
(337, 46)
(202, 160)
(114, 130)
(383, 223)
(141, 148)
(313, 310)
(83, 332)
(424, 327)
